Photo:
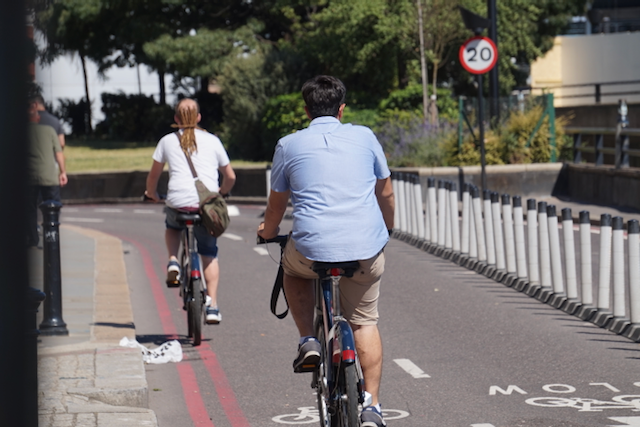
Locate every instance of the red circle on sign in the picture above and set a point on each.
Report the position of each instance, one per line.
(469, 56)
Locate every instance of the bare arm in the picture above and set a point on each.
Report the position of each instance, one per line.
(229, 179)
(62, 177)
(61, 139)
(386, 200)
(276, 207)
(152, 181)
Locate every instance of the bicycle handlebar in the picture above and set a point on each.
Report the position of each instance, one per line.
(282, 240)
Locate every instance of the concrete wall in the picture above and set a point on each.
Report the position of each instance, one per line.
(595, 58)
(604, 185)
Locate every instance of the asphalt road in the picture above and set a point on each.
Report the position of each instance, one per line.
(460, 349)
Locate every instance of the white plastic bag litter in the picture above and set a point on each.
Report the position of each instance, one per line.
(171, 351)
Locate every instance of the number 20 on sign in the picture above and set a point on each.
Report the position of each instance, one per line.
(478, 55)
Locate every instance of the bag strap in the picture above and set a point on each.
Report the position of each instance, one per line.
(193, 169)
(275, 293)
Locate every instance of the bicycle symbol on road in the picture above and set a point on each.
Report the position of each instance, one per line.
(310, 415)
(588, 405)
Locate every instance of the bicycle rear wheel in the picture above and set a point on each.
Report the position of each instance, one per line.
(320, 378)
(347, 414)
(194, 312)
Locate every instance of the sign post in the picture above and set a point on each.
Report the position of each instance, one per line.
(478, 55)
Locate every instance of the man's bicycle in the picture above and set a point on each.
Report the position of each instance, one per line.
(192, 288)
(338, 380)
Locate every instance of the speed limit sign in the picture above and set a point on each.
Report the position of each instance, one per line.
(478, 55)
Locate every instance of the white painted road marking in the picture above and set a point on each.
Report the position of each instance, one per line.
(261, 251)
(482, 425)
(107, 210)
(144, 211)
(69, 219)
(232, 236)
(410, 368)
(628, 421)
(233, 210)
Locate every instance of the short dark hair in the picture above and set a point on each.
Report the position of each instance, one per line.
(324, 95)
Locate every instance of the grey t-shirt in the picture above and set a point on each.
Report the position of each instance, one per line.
(46, 118)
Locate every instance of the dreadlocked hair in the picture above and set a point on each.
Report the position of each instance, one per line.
(188, 122)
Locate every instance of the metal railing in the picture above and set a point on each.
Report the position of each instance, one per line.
(597, 93)
(621, 150)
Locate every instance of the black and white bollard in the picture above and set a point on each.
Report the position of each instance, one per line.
(573, 303)
(477, 219)
(509, 242)
(620, 320)
(442, 216)
(433, 212)
(546, 288)
(412, 223)
(418, 208)
(465, 240)
(533, 286)
(520, 244)
(587, 310)
(455, 224)
(52, 323)
(402, 219)
(396, 217)
(427, 228)
(604, 314)
(559, 297)
(496, 216)
(488, 234)
(633, 241)
(448, 224)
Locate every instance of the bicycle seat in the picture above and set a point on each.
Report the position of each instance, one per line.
(323, 269)
(186, 217)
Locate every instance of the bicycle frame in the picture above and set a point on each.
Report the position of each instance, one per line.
(191, 290)
(193, 270)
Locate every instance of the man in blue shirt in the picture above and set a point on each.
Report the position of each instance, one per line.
(343, 206)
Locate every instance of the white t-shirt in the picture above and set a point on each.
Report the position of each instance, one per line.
(210, 156)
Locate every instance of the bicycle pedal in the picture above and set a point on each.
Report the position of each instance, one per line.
(173, 284)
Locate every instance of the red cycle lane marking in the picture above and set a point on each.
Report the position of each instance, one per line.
(188, 381)
(224, 391)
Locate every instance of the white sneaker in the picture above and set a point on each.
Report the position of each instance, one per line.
(213, 316)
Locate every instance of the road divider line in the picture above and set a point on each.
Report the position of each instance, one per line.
(410, 368)
(231, 236)
(88, 220)
(107, 210)
(261, 251)
(144, 211)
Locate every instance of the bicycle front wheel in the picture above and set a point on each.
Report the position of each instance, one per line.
(194, 312)
(347, 415)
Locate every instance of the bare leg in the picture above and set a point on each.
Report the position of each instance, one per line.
(172, 239)
(301, 299)
(369, 347)
(211, 270)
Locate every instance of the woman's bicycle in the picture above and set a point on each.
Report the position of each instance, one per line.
(192, 288)
(338, 380)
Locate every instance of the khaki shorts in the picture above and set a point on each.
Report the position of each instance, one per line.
(358, 294)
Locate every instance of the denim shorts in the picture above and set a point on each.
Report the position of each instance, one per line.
(207, 244)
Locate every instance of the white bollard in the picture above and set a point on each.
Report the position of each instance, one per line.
(466, 228)
(604, 313)
(620, 321)
(633, 240)
(545, 256)
(496, 216)
(417, 206)
(488, 228)
(396, 217)
(433, 209)
(477, 219)
(518, 235)
(570, 262)
(473, 239)
(442, 213)
(268, 179)
(448, 229)
(509, 242)
(586, 276)
(559, 297)
(453, 213)
(401, 204)
(412, 222)
(534, 257)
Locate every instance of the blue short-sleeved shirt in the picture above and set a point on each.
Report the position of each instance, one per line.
(332, 170)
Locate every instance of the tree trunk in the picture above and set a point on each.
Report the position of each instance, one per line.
(87, 116)
(433, 118)
(163, 90)
(423, 65)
